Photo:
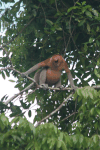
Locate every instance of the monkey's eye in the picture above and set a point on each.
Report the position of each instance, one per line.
(56, 61)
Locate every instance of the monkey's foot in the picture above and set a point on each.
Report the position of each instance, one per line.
(60, 87)
(74, 87)
(44, 86)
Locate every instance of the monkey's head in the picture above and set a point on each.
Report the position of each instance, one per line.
(57, 60)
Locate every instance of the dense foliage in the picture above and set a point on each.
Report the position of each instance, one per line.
(34, 31)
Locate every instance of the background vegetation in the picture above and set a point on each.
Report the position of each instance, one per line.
(34, 31)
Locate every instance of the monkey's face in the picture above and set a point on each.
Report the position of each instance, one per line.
(56, 63)
(57, 60)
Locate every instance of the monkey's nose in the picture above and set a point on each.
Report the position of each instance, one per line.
(56, 61)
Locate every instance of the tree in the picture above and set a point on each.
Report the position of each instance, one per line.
(36, 30)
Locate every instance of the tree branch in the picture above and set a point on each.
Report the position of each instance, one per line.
(13, 97)
(37, 86)
(53, 112)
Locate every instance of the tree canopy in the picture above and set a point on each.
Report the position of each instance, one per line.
(34, 31)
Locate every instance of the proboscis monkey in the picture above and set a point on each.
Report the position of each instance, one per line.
(51, 72)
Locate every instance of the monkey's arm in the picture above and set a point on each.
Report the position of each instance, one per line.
(70, 78)
(34, 68)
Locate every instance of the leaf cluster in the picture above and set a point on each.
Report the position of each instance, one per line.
(47, 136)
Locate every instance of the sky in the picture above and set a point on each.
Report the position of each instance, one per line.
(6, 87)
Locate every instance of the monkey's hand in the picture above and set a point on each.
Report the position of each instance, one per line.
(23, 75)
(44, 86)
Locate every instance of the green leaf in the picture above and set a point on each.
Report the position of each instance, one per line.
(3, 75)
(4, 120)
(71, 8)
(81, 23)
(31, 97)
(51, 1)
(24, 105)
(95, 138)
(11, 80)
(63, 145)
(92, 111)
(36, 7)
(84, 2)
(34, 13)
(60, 136)
(49, 22)
(78, 3)
(15, 120)
(4, 97)
(96, 73)
(95, 12)
(32, 127)
(87, 7)
(7, 73)
(98, 111)
(88, 13)
(59, 144)
(7, 20)
(97, 42)
(59, 29)
(88, 27)
(52, 143)
(85, 47)
(16, 111)
(29, 113)
(83, 9)
(97, 29)
(59, 37)
(81, 138)
(91, 40)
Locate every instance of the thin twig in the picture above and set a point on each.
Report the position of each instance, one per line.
(69, 116)
(56, 5)
(70, 27)
(44, 14)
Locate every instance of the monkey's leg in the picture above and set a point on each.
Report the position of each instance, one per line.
(58, 84)
(42, 79)
(36, 76)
